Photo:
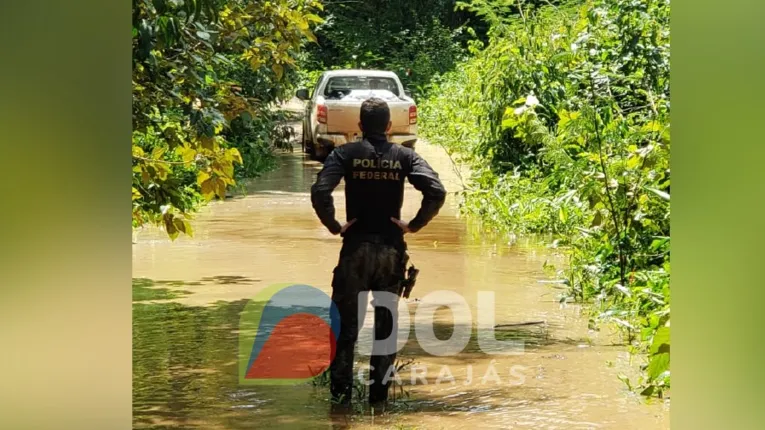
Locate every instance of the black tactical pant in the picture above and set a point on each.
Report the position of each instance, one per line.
(365, 265)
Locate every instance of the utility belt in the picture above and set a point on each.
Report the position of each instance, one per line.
(377, 239)
(409, 275)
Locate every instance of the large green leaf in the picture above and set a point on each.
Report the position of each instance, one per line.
(659, 364)
(660, 339)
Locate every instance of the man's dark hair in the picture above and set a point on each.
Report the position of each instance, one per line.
(375, 116)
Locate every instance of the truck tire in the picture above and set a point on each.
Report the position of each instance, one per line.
(306, 144)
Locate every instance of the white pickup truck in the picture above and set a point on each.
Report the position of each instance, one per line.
(332, 111)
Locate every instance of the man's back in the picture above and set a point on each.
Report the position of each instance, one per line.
(374, 171)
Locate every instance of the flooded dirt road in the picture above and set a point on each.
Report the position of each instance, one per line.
(188, 295)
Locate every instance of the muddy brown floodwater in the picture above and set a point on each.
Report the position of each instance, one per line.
(188, 295)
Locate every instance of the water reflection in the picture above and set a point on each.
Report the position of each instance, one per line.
(189, 296)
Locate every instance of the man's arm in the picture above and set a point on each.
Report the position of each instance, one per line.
(321, 191)
(425, 180)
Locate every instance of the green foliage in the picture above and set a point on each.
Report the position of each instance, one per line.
(564, 114)
(205, 74)
(255, 137)
(416, 39)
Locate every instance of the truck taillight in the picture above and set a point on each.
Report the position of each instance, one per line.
(321, 114)
(412, 115)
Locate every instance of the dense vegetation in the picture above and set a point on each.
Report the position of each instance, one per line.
(208, 73)
(564, 115)
(414, 38)
(205, 76)
(562, 108)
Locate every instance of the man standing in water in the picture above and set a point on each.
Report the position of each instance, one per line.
(373, 256)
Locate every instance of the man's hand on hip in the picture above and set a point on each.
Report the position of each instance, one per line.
(345, 226)
(403, 225)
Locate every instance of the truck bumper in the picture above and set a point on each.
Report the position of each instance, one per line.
(407, 140)
(332, 140)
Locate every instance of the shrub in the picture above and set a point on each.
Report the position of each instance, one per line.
(564, 113)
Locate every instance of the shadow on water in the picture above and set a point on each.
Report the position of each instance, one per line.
(185, 374)
(145, 289)
(229, 279)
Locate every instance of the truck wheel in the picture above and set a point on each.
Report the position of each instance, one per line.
(306, 144)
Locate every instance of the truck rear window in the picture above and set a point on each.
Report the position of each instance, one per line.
(340, 86)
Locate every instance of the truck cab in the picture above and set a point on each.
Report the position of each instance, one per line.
(332, 110)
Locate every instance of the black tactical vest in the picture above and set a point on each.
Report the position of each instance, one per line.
(374, 186)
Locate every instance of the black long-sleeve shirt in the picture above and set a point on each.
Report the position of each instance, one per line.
(374, 171)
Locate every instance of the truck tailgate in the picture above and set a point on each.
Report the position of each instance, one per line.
(343, 115)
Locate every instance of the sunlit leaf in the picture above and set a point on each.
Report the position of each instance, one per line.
(659, 364)
(660, 338)
(179, 224)
(658, 192)
(208, 188)
(220, 188)
(202, 177)
(313, 18)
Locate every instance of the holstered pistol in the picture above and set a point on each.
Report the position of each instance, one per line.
(408, 283)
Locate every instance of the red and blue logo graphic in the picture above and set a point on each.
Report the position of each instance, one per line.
(287, 335)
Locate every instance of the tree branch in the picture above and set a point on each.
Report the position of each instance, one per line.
(151, 160)
(622, 262)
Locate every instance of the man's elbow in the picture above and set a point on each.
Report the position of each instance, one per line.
(314, 194)
(433, 202)
(439, 196)
(317, 197)
(318, 191)
(441, 193)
